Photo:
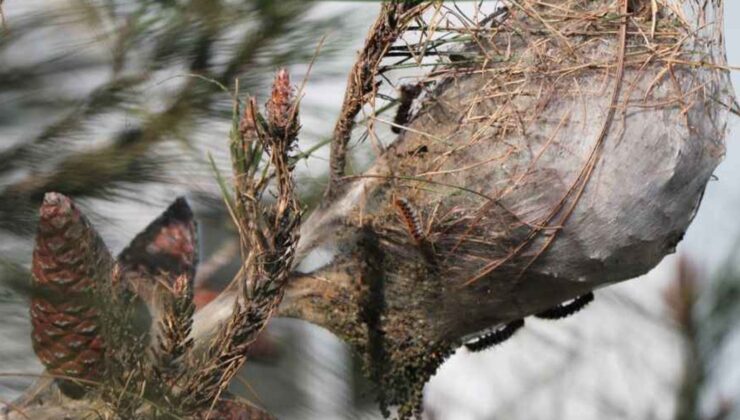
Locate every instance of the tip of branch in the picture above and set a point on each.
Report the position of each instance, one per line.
(282, 115)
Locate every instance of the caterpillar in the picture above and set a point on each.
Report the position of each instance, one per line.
(406, 98)
(495, 337)
(410, 218)
(567, 309)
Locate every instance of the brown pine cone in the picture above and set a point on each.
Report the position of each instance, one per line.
(169, 245)
(234, 410)
(69, 259)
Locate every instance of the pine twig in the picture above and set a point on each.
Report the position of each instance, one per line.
(268, 233)
(392, 22)
(174, 328)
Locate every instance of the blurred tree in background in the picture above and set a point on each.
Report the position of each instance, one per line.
(104, 99)
(706, 314)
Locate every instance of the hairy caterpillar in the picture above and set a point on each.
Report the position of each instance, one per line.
(410, 218)
(495, 337)
(567, 309)
(414, 227)
(407, 95)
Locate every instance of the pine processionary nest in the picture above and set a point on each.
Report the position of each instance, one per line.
(558, 147)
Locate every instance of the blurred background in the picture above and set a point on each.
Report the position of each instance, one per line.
(120, 103)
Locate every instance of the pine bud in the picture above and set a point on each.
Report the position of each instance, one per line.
(282, 114)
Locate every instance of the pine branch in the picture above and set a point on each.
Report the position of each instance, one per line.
(388, 27)
(269, 234)
(174, 329)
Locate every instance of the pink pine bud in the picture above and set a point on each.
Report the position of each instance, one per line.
(282, 115)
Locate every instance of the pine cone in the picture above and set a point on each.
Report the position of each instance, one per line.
(233, 410)
(168, 245)
(69, 260)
